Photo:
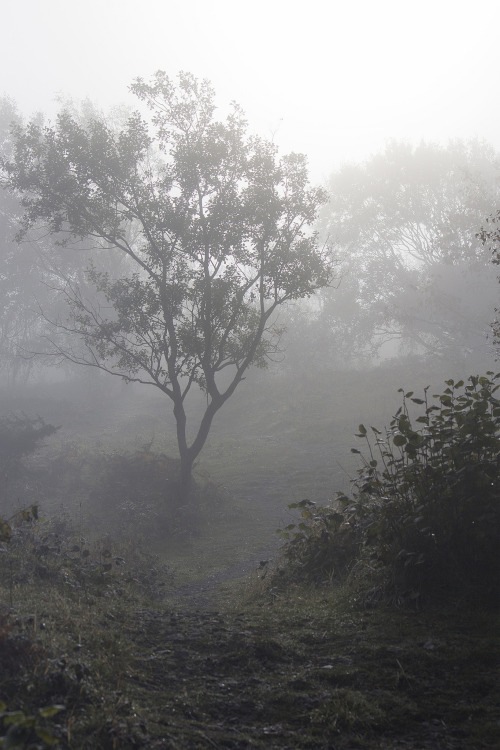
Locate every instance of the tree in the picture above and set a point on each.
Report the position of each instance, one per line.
(30, 273)
(14, 317)
(216, 229)
(413, 271)
(490, 237)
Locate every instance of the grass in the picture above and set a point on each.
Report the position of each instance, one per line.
(100, 634)
(161, 636)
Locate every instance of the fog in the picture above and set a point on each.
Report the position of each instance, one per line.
(249, 387)
(395, 110)
(334, 81)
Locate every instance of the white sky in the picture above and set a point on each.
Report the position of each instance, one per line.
(334, 80)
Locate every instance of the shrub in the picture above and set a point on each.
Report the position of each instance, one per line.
(425, 513)
(321, 547)
(20, 435)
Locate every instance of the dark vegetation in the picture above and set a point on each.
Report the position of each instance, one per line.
(343, 642)
(424, 518)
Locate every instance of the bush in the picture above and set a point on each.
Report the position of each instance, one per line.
(321, 547)
(20, 435)
(424, 517)
(129, 495)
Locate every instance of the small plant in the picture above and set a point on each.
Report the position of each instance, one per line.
(20, 517)
(321, 546)
(28, 730)
(425, 508)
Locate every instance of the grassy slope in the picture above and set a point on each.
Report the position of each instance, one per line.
(294, 669)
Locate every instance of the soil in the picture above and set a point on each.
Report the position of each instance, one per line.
(298, 676)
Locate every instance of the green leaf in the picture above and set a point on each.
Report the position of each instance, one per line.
(18, 717)
(46, 736)
(399, 440)
(49, 711)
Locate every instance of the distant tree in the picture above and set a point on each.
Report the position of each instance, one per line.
(412, 269)
(215, 227)
(490, 237)
(12, 320)
(34, 273)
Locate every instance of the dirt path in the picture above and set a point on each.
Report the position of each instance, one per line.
(203, 594)
(300, 677)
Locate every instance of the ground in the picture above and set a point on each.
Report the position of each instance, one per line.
(183, 643)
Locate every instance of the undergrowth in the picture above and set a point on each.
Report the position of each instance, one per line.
(94, 655)
(424, 516)
(66, 600)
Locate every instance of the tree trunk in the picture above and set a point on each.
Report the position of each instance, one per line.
(186, 476)
(189, 454)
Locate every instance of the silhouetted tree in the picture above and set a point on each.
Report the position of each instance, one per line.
(215, 228)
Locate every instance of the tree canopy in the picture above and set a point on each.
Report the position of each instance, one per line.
(413, 270)
(214, 226)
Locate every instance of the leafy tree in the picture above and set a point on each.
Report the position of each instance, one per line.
(413, 270)
(32, 275)
(215, 229)
(15, 319)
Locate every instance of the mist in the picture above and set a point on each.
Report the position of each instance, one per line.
(230, 339)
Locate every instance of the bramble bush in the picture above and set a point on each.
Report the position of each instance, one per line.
(424, 516)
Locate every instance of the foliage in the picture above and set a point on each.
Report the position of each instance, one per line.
(320, 547)
(425, 515)
(53, 553)
(60, 652)
(215, 229)
(105, 666)
(20, 517)
(490, 237)
(412, 270)
(32, 274)
(28, 730)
